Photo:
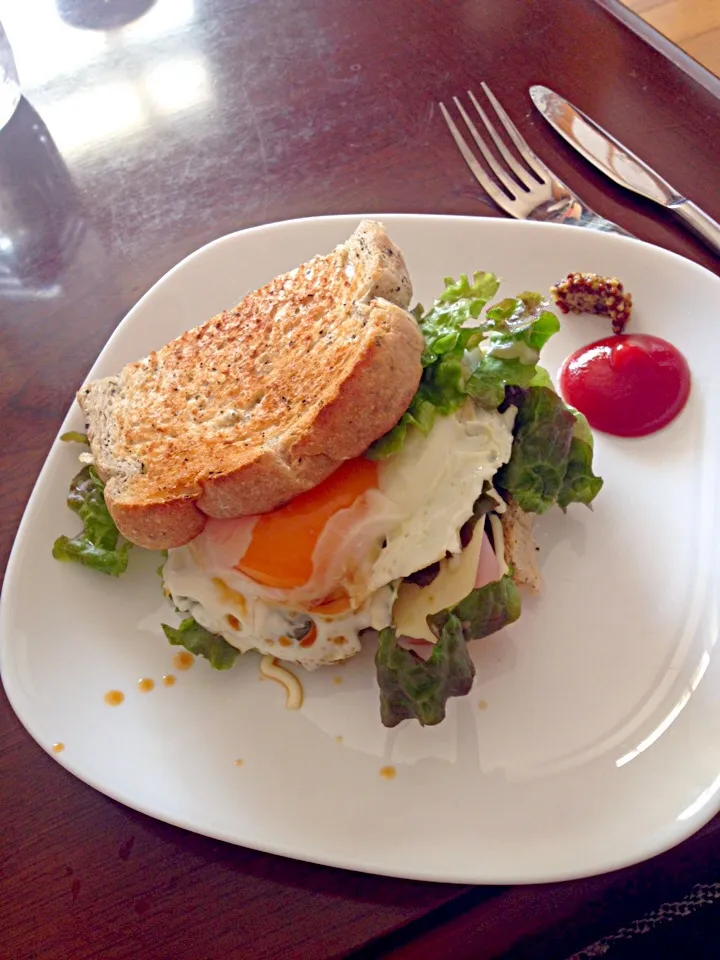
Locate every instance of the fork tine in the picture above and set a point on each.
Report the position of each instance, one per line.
(510, 185)
(517, 168)
(491, 188)
(524, 150)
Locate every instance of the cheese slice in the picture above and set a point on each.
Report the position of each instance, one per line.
(454, 582)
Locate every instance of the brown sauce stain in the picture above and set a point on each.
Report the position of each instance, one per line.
(168, 680)
(483, 705)
(145, 685)
(113, 698)
(58, 747)
(285, 642)
(183, 660)
(388, 773)
(337, 679)
(228, 595)
(338, 739)
(239, 763)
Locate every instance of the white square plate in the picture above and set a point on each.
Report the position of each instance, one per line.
(600, 741)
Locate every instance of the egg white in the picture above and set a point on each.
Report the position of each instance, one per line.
(250, 622)
(425, 493)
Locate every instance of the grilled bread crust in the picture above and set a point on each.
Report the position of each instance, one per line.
(262, 402)
(520, 547)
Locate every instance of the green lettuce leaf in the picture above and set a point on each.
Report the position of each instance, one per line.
(581, 430)
(413, 687)
(542, 379)
(521, 319)
(159, 570)
(552, 451)
(442, 385)
(580, 484)
(514, 331)
(543, 434)
(492, 374)
(443, 326)
(202, 643)
(97, 545)
(483, 611)
(73, 436)
(421, 414)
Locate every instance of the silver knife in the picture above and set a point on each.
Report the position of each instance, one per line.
(620, 164)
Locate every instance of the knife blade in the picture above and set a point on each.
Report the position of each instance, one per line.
(620, 164)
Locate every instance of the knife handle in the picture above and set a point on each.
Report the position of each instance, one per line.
(699, 222)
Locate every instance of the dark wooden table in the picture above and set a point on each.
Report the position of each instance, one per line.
(154, 128)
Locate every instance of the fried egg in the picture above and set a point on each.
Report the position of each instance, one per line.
(303, 581)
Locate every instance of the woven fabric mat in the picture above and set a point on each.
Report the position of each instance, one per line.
(688, 928)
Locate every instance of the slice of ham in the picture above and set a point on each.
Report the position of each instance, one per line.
(487, 571)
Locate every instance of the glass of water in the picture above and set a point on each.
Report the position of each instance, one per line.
(9, 83)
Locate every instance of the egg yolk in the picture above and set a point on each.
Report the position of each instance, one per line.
(283, 542)
(338, 602)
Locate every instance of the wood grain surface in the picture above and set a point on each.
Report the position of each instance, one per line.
(185, 121)
(694, 25)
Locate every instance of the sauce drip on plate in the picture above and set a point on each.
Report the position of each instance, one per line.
(628, 385)
(183, 660)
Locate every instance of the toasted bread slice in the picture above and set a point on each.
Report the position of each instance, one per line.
(520, 547)
(262, 402)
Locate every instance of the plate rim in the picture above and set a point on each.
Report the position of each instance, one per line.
(642, 852)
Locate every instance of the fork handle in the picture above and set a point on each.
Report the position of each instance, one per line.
(572, 211)
(593, 221)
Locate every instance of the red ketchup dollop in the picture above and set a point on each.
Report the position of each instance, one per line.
(628, 385)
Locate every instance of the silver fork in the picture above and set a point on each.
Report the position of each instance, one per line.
(530, 192)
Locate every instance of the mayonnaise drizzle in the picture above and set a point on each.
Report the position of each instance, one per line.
(270, 668)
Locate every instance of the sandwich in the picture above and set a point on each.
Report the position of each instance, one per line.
(324, 468)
